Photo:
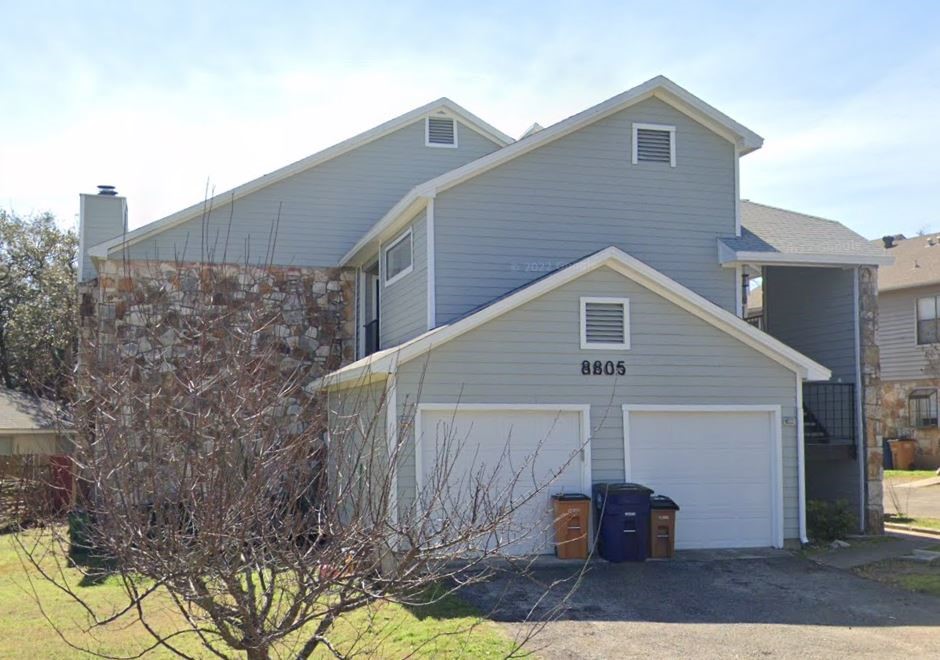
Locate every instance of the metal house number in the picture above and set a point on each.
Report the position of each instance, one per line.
(599, 368)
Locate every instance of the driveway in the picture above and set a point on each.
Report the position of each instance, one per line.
(777, 606)
(920, 499)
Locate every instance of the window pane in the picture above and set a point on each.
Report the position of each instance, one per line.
(926, 332)
(398, 258)
(926, 308)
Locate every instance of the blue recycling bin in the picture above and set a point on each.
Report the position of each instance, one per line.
(622, 518)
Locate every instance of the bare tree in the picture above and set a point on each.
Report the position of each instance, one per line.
(211, 470)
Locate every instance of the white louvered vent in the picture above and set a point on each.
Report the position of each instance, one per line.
(604, 323)
(654, 144)
(441, 132)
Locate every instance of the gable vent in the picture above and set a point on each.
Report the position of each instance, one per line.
(654, 144)
(441, 132)
(604, 323)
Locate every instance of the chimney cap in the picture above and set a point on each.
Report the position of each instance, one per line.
(888, 241)
(109, 191)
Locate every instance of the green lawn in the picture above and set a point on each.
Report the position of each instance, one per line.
(908, 475)
(930, 523)
(911, 575)
(449, 629)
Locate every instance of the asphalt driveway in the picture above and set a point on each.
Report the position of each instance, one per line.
(914, 498)
(776, 606)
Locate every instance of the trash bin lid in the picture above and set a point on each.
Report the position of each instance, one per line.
(663, 502)
(568, 497)
(623, 487)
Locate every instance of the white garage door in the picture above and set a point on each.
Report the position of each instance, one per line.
(499, 442)
(719, 465)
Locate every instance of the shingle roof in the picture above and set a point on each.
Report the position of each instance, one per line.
(20, 412)
(774, 231)
(916, 263)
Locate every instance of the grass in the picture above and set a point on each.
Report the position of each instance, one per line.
(913, 576)
(913, 521)
(816, 549)
(449, 629)
(908, 475)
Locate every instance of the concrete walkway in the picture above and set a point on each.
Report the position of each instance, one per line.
(861, 552)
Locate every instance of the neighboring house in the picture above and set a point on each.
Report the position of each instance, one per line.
(909, 291)
(29, 425)
(582, 285)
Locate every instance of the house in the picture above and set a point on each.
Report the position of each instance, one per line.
(29, 425)
(581, 290)
(909, 291)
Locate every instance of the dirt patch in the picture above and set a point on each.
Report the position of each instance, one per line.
(911, 575)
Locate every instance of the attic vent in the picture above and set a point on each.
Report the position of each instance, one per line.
(654, 143)
(441, 132)
(605, 323)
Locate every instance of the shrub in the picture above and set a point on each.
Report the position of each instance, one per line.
(828, 521)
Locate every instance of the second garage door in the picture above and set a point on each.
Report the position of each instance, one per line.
(720, 464)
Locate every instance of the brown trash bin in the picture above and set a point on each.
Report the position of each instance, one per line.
(903, 453)
(572, 513)
(662, 527)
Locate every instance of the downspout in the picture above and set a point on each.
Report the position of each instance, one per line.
(862, 455)
(391, 436)
(801, 457)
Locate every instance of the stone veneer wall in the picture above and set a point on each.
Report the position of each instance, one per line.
(871, 392)
(898, 423)
(315, 325)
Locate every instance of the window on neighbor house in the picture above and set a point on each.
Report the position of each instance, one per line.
(928, 326)
(922, 407)
(398, 258)
(605, 323)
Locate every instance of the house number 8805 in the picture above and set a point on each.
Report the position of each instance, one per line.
(598, 368)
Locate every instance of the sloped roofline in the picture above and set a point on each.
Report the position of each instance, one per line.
(101, 250)
(382, 363)
(744, 139)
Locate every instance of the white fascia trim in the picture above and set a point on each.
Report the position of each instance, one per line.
(661, 87)
(629, 267)
(730, 258)
(196, 210)
(584, 411)
(655, 127)
(776, 421)
(431, 266)
(407, 235)
(625, 306)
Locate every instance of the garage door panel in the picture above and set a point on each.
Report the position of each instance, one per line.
(717, 465)
(540, 442)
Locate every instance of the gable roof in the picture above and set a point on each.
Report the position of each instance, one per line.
(384, 362)
(660, 87)
(196, 210)
(916, 263)
(21, 413)
(773, 235)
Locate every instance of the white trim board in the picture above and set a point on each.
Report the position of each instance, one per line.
(617, 260)
(776, 422)
(731, 258)
(453, 110)
(584, 411)
(660, 87)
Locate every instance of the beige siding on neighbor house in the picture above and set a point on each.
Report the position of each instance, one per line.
(901, 357)
(532, 354)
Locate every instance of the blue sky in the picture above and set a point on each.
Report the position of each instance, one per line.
(159, 97)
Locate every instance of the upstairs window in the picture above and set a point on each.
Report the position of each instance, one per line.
(654, 143)
(922, 408)
(928, 326)
(605, 323)
(398, 258)
(440, 132)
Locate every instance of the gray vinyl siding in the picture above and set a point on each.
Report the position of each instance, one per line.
(901, 357)
(324, 210)
(581, 193)
(813, 311)
(403, 304)
(532, 355)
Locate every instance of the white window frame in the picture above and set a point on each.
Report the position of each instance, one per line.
(407, 235)
(427, 133)
(936, 319)
(585, 345)
(656, 127)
